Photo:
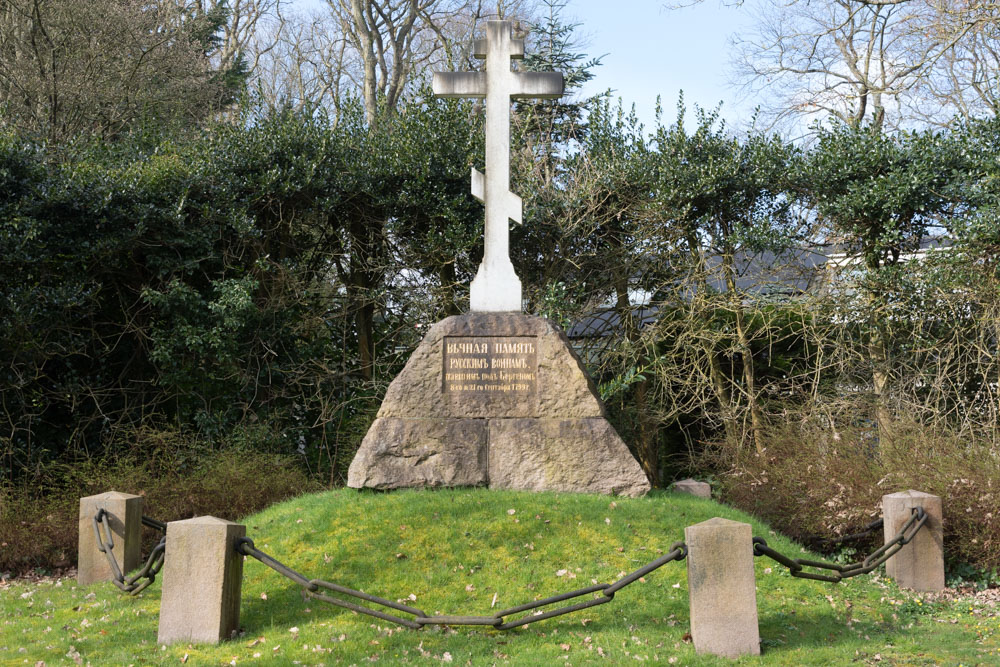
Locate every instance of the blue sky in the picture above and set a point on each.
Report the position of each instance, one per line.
(650, 50)
(654, 51)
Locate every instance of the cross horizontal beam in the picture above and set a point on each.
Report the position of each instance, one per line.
(538, 85)
(535, 85)
(459, 84)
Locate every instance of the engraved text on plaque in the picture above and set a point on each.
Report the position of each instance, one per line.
(490, 364)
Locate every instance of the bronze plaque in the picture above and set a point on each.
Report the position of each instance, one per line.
(490, 364)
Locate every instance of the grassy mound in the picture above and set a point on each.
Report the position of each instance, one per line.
(455, 552)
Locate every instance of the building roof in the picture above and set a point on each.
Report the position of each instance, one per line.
(765, 274)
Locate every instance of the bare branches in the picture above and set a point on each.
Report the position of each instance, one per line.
(71, 66)
(865, 61)
(301, 61)
(394, 40)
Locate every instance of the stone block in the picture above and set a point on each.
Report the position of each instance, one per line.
(562, 455)
(400, 453)
(694, 488)
(202, 581)
(125, 519)
(920, 564)
(722, 588)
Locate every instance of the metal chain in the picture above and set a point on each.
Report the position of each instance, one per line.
(918, 518)
(868, 529)
(147, 572)
(245, 546)
(154, 524)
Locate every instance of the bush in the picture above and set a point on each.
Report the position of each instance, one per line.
(38, 526)
(813, 481)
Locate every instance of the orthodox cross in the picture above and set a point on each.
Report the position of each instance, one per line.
(496, 287)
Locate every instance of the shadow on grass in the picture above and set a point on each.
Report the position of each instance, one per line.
(809, 629)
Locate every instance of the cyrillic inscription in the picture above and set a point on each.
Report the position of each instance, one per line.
(490, 364)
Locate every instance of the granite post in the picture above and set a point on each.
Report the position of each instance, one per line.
(721, 588)
(125, 519)
(920, 564)
(202, 581)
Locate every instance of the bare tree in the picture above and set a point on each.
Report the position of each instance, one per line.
(372, 49)
(299, 60)
(247, 19)
(858, 60)
(393, 39)
(97, 66)
(966, 81)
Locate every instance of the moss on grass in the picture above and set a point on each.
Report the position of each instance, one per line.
(454, 550)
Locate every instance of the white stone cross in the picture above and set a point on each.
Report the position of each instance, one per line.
(496, 287)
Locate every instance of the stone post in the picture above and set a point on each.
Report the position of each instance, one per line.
(202, 581)
(920, 564)
(125, 519)
(721, 588)
(694, 488)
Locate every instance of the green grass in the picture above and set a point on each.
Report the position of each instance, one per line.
(454, 550)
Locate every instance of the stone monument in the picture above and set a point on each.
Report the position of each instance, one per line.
(495, 398)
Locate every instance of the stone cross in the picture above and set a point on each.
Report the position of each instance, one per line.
(496, 287)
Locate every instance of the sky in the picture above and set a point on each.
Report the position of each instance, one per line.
(651, 50)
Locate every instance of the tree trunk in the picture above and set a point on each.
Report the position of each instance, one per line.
(364, 319)
(719, 386)
(365, 45)
(646, 448)
(649, 458)
(449, 299)
(746, 353)
(365, 275)
(878, 354)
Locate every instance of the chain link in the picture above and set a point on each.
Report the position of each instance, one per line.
(827, 542)
(918, 518)
(245, 546)
(106, 544)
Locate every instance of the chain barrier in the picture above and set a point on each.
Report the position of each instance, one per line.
(918, 518)
(147, 572)
(827, 542)
(245, 546)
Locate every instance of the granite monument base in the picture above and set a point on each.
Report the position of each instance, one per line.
(498, 400)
